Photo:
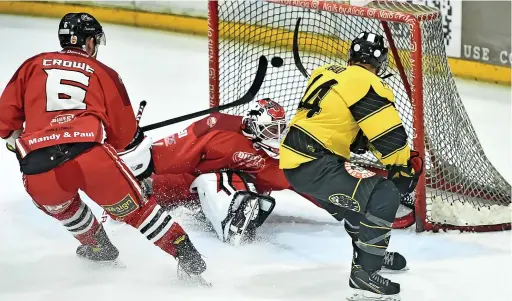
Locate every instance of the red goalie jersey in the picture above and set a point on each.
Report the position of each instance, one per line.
(219, 142)
(210, 144)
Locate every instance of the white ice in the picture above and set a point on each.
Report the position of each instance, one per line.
(305, 255)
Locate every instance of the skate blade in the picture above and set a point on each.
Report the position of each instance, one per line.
(362, 295)
(389, 271)
(193, 280)
(116, 263)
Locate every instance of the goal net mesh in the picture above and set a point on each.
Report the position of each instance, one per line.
(463, 187)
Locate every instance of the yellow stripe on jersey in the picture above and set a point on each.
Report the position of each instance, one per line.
(380, 122)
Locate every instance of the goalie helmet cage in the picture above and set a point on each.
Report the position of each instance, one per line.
(460, 188)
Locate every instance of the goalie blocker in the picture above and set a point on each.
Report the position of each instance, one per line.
(230, 202)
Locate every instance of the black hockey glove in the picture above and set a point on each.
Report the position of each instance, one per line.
(406, 177)
(360, 144)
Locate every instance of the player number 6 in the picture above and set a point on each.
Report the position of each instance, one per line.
(65, 90)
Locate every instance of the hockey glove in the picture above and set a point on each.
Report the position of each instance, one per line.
(406, 177)
(137, 156)
(10, 142)
(360, 144)
(10, 147)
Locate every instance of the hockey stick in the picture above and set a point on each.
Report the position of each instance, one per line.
(248, 97)
(296, 56)
(295, 50)
(142, 105)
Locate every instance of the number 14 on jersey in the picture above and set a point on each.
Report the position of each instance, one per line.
(313, 97)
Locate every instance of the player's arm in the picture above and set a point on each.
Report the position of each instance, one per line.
(123, 132)
(122, 129)
(12, 115)
(376, 115)
(216, 122)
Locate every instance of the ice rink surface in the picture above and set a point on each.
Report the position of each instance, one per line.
(304, 254)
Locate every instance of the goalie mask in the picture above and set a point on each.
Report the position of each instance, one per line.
(265, 123)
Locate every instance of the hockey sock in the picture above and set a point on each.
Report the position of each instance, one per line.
(353, 231)
(157, 225)
(375, 226)
(77, 218)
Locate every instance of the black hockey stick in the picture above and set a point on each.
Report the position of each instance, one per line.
(248, 97)
(295, 50)
(142, 105)
(296, 56)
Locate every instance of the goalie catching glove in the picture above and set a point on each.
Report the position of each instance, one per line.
(406, 177)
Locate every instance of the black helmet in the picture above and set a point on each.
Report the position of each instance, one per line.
(75, 28)
(369, 48)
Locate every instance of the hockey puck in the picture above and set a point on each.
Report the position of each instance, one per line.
(276, 61)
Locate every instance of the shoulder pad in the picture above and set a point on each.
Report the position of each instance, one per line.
(355, 82)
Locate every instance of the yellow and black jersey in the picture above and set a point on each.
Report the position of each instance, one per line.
(338, 103)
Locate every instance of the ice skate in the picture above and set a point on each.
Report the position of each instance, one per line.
(372, 287)
(394, 262)
(103, 252)
(190, 263)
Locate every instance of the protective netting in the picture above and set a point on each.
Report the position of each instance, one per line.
(463, 188)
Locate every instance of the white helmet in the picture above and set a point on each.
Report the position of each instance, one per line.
(265, 123)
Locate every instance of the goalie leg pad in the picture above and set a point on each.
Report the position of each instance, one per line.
(231, 205)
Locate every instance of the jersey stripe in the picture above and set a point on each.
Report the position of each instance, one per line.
(297, 152)
(390, 142)
(369, 105)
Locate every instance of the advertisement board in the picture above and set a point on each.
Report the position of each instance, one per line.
(486, 36)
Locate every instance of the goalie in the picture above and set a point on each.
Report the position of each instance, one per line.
(230, 163)
(227, 162)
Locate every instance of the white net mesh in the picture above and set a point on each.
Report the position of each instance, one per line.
(463, 188)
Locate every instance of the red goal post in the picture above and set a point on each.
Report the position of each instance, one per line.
(451, 194)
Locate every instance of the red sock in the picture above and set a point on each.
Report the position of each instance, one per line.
(157, 225)
(77, 218)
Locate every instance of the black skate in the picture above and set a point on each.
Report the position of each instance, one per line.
(103, 251)
(372, 287)
(190, 262)
(394, 262)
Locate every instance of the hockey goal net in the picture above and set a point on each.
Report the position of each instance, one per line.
(460, 188)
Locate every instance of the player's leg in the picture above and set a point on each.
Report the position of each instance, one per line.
(230, 202)
(392, 260)
(56, 193)
(110, 184)
(332, 180)
(172, 190)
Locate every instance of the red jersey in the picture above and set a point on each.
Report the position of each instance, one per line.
(66, 97)
(214, 143)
